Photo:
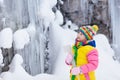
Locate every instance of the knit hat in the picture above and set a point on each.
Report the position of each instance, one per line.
(89, 31)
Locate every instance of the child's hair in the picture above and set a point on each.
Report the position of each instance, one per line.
(89, 31)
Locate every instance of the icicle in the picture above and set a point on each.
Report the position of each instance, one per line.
(115, 23)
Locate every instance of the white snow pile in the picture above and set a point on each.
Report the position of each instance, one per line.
(70, 25)
(17, 72)
(21, 38)
(108, 68)
(58, 17)
(46, 77)
(59, 38)
(1, 1)
(6, 38)
(45, 11)
(1, 58)
(31, 30)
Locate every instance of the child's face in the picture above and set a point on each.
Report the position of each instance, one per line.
(81, 37)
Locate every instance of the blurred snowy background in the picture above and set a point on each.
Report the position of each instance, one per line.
(34, 34)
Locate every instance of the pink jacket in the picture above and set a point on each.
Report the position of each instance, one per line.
(92, 62)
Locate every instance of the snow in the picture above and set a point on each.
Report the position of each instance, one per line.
(6, 38)
(31, 30)
(61, 2)
(21, 38)
(45, 12)
(46, 77)
(16, 71)
(61, 39)
(58, 17)
(1, 1)
(1, 58)
(70, 25)
(52, 3)
(108, 69)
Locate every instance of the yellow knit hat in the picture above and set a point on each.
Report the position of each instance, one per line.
(89, 31)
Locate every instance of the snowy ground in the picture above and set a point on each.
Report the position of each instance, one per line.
(108, 69)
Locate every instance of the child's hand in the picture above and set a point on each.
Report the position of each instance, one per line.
(76, 70)
(68, 59)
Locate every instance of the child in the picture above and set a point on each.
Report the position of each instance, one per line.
(84, 55)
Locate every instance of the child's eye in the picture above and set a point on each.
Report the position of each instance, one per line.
(81, 33)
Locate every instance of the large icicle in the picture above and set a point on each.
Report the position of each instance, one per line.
(115, 23)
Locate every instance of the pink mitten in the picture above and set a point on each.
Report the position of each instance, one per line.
(76, 70)
(68, 59)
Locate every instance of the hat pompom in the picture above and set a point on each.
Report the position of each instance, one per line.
(95, 27)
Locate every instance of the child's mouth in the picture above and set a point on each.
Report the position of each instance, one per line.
(77, 39)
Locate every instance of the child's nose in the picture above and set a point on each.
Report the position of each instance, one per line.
(78, 35)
